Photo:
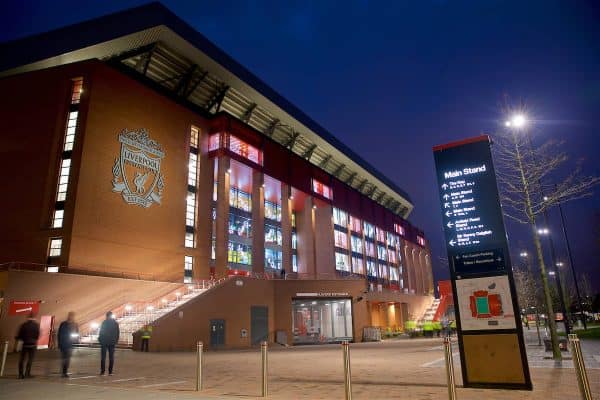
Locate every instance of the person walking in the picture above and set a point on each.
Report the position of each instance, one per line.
(29, 333)
(146, 335)
(68, 332)
(108, 338)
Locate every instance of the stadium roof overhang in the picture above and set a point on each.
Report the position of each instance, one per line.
(153, 42)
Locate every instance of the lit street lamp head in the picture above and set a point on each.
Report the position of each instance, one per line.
(517, 121)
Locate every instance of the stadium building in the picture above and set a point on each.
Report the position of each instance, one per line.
(147, 172)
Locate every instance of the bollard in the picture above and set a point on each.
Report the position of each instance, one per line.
(199, 366)
(449, 368)
(4, 358)
(582, 378)
(263, 351)
(347, 371)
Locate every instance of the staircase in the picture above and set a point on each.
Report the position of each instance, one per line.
(430, 311)
(132, 316)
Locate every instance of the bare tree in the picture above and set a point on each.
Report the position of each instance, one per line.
(526, 192)
(529, 296)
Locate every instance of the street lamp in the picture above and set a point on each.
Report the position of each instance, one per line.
(551, 273)
(523, 254)
(543, 231)
(517, 121)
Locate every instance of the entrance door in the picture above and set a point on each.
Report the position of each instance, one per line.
(217, 332)
(259, 324)
(46, 325)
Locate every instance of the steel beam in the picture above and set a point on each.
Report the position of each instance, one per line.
(325, 161)
(193, 86)
(339, 170)
(309, 152)
(217, 99)
(292, 140)
(271, 128)
(351, 178)
(361, 185)
(248, 113)
(184, 82)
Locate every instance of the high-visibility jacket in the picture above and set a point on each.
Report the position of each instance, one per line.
(147, 332)
(427, 326)
(437, 326)
(411, 325)
(453, 325)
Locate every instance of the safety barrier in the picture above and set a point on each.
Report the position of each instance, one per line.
(582, 378)
(263, 352)
(449, 368)
(347, 371)
(199, 350)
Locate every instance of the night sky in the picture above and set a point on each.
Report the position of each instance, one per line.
(392, 80)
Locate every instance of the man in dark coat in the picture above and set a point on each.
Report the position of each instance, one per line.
(67, 335)
(108, 338)
(29, 332)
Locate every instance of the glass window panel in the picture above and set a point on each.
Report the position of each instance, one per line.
(322, 189)
(371, 269)
(394, 274)
(57, 220)
(341, 262)
(321, 320)
(194, 133)
(355, 224)
(357, 244)
(193, 170)
(239, 253)
(272, 211)
(245, 150)
(340, 239)
(381, 253)
(294, 240)
(357, 265)
(190, 209)
(273, 259)
(294, 263)
(214, 142)
(55, 247)
(369, 230)
(189, 240)
(340, 217)
(272, 235)
(240, 226)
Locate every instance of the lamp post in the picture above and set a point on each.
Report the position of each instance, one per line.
(556, 275)
(516, 125)
(564, 229)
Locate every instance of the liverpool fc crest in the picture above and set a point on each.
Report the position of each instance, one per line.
(136, 173)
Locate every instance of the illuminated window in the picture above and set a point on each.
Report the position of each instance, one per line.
(57, 219)
(357, 244)
(371, 269)
(215, 188)
(193, 169)
(369, 230)
(380, 235)
(392, 240)
(341, 262)
(357, 265)
(213, 254)
(214, 142)
(322, 189)
(355, 224)
(188, 265)
(272, 211)
(71, 128)
(383, 271)
(273, 235)
(340, 217)
(294, 240)
(240, 226)
(394, 277)
(273, 259)
(293, 219)
(63, 179)
(55, 247)
(52, 269)
(340, 239)
(381, 253)
(190, 209)
(239, 253)
(240, 200)
(245, 150)
(391, 255)
(194, 134)
(294, 263)
(189, 240)
(399, 229)
(369, 249)
(76, 90)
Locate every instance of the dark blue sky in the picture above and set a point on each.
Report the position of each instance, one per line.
(392, 79)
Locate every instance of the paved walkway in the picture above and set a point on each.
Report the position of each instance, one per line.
(399, 369)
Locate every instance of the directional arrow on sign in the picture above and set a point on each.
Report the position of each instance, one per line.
(452, 242)
(450, 224)
(24, 309)
(448, 213)
(446, 205)
(444, 186)
(446, 197)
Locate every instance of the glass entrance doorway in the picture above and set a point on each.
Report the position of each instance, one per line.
(321, 320)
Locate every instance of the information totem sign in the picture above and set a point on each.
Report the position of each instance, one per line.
(490, 335)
